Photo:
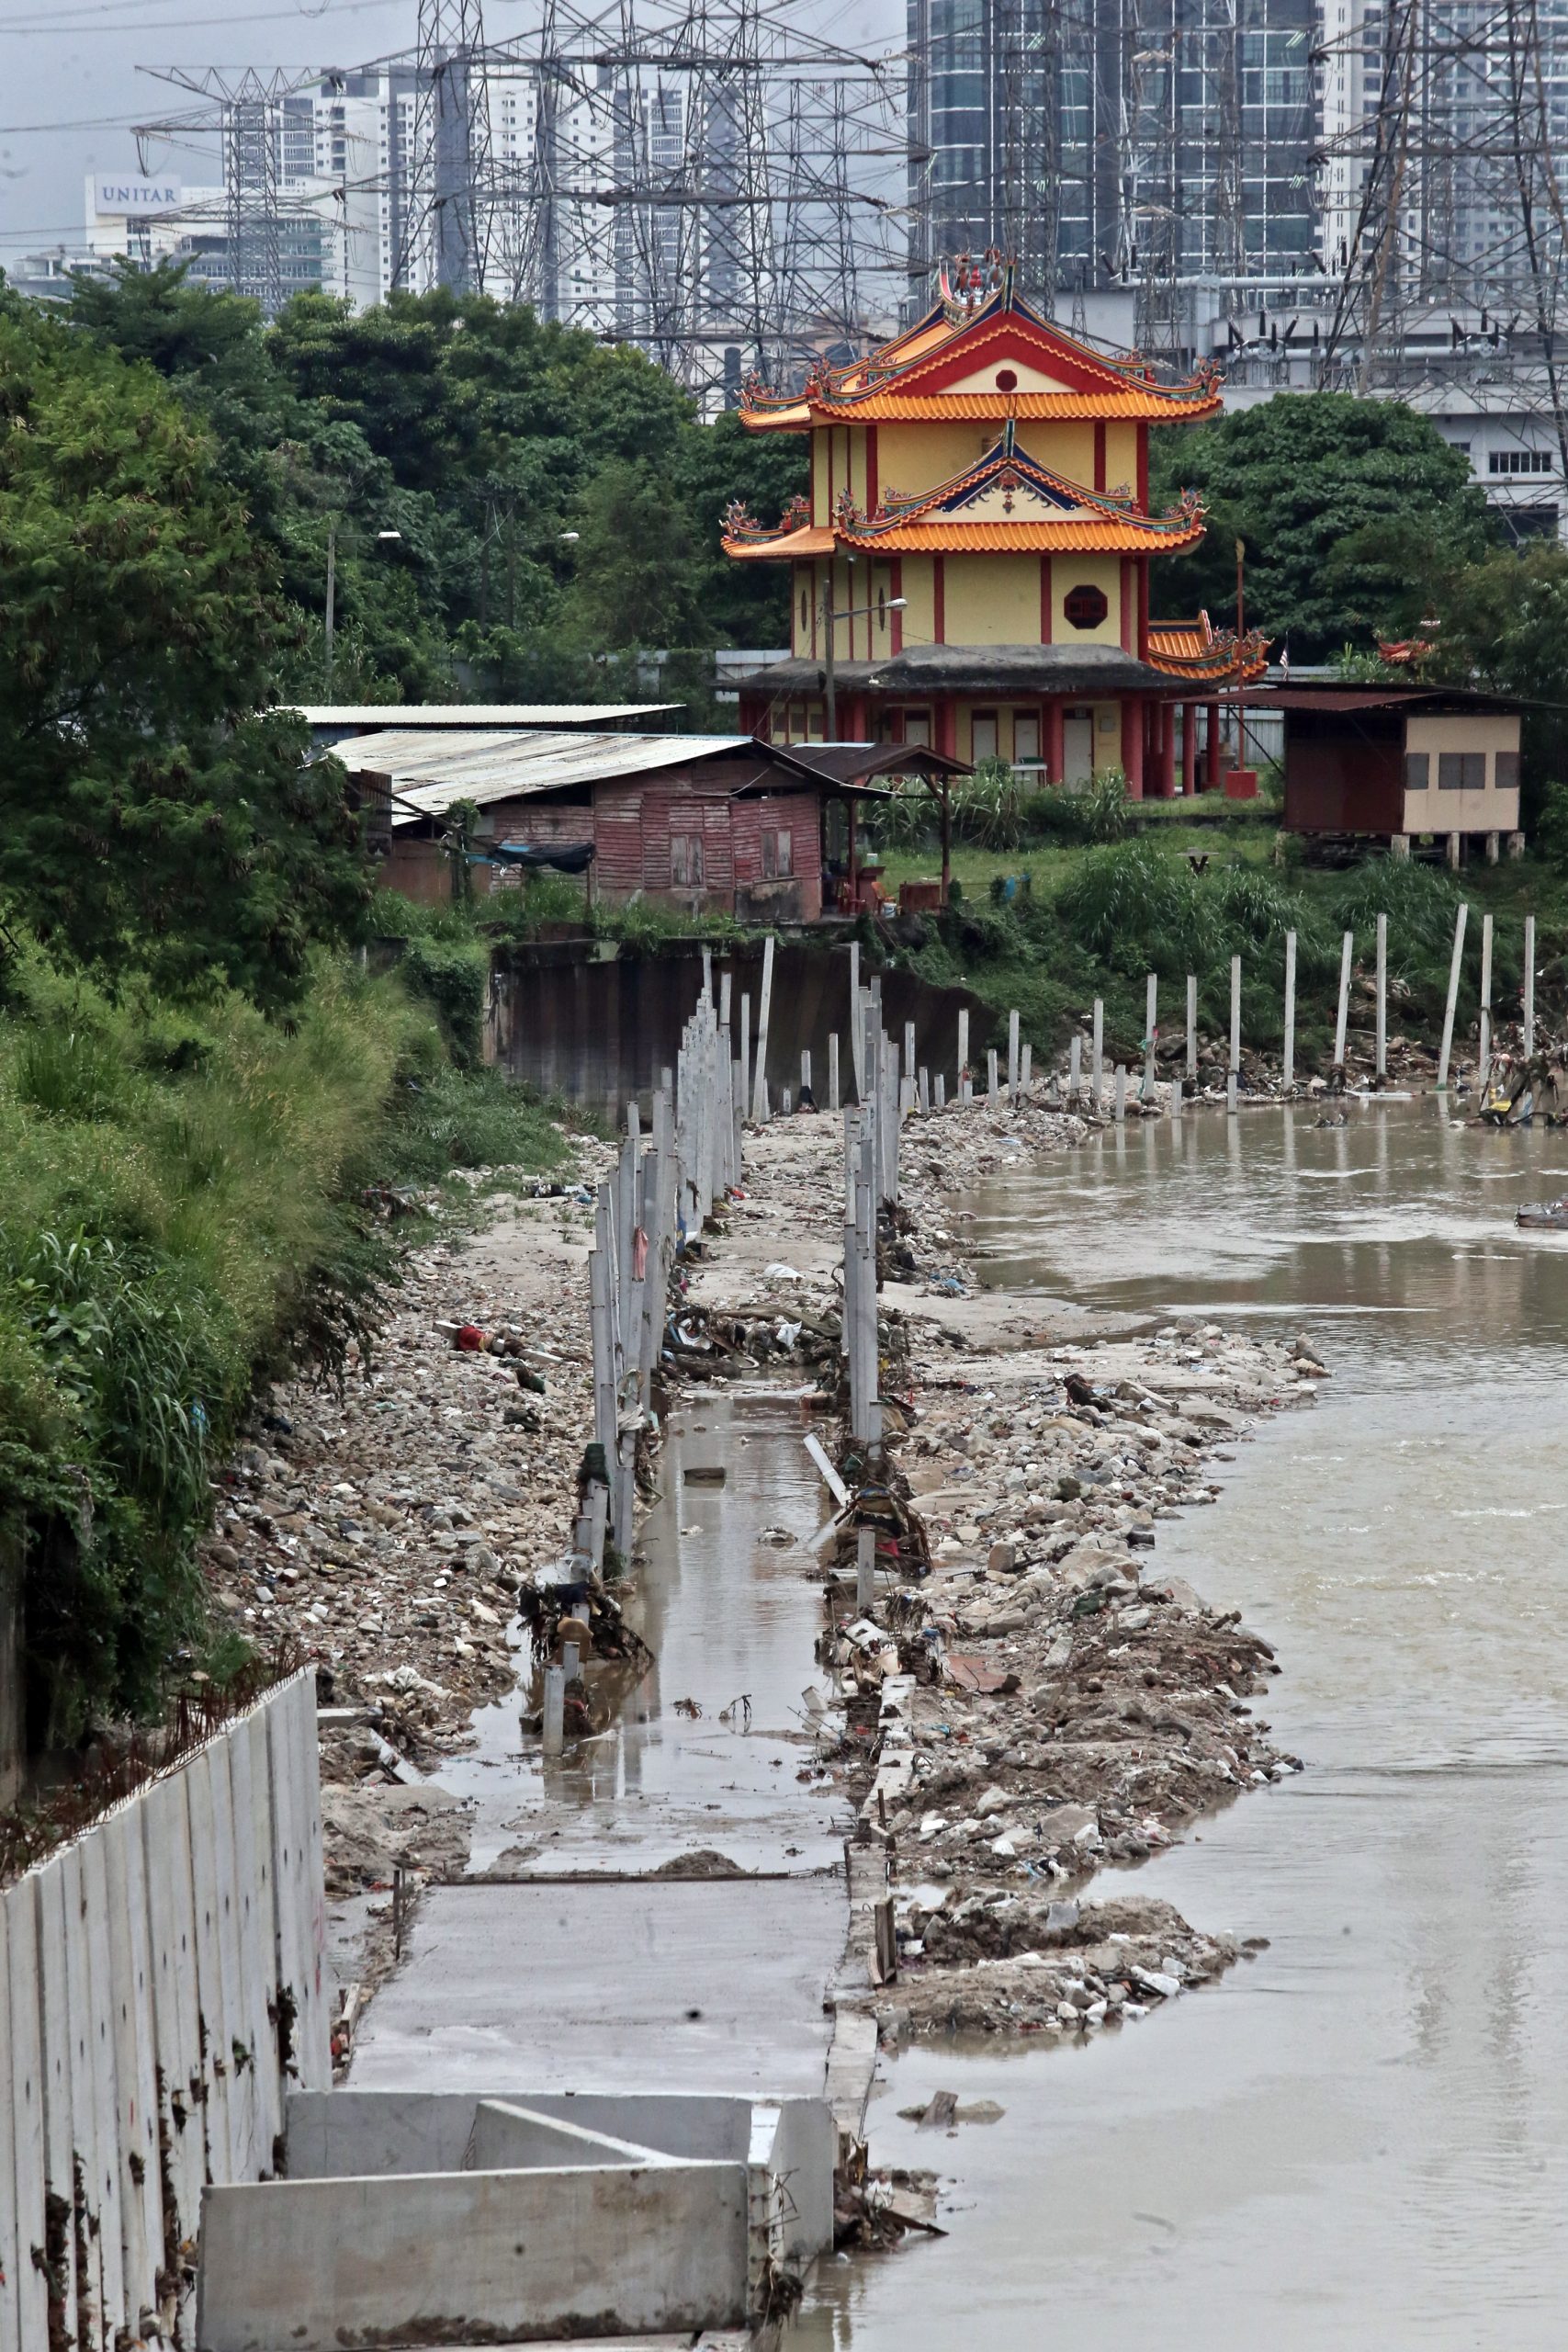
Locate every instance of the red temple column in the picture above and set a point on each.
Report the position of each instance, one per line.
(1133, 717)
(1056, 746)
(1167, 750)
(1216, 777)
(1189, 748)
(945, 719)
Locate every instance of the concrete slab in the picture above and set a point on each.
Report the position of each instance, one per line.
(726, 2340)
(690, 1985)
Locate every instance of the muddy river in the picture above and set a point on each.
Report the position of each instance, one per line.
(1360, 2137)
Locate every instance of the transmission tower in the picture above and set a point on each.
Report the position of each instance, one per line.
(706, 179)
(446, 193)
(247, 115)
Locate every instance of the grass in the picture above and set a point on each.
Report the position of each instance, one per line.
(1094, 920)
(184, 1212)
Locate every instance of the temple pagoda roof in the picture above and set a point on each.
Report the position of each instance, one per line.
(1006, 503)
(1198, 652)
(1001, 357)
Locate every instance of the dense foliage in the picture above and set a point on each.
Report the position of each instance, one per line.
(1095, 923)
(484, 438)
(1342, 504)
(148, 815)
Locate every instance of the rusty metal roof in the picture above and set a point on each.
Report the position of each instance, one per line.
(429, 769)
(1396, 696)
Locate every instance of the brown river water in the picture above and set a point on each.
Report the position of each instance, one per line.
(1360, 2137)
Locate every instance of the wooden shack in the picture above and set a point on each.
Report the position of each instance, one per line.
(710, 823)
(1399, 761)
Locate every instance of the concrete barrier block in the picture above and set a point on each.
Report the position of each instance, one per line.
(307, 2266)
(509, 2138)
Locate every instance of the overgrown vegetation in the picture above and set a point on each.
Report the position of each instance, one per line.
(556, 503)
(184, 1211)
(1094, 922)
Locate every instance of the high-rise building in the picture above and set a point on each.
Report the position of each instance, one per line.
(1110, 144)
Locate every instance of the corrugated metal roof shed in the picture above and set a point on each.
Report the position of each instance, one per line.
(428, 773)
(379, 715)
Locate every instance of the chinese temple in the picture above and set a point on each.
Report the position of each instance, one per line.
(970, 570)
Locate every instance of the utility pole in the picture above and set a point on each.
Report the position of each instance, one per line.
(332, 611)
(830, 689)
(1240, 650)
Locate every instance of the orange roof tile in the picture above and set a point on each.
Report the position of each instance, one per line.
(1197, 651)
(1098, 535)
(938, 520)
(1144, 405)
(809, 541)
(950, 342)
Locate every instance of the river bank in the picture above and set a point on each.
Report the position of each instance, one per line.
(1072, 1707)
(1075, 1707)
(1386, 2079)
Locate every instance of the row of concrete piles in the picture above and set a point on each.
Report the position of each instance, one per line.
(659, 1194)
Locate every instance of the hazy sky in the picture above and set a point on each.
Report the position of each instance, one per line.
(73, 90)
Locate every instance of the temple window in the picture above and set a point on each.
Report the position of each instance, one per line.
(1085, 608)
(983, 736)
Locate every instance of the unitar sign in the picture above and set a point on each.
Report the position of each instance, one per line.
(129, 196)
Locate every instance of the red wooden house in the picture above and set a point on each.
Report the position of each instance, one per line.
(712, 824)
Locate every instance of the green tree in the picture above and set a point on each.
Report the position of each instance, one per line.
(1504, 623)
(148, 814)
(1343, 505)
(484, 436)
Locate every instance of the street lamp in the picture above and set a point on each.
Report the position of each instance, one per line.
(831, 619)
(330, 630)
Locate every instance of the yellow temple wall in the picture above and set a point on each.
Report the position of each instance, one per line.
(802, 586)
(1121, 457)
(992, 599)
(920, 595)
(1068, 449)
(911, 457)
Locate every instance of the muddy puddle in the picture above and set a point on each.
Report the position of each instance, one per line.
(705, 1754)
(1360, 2137)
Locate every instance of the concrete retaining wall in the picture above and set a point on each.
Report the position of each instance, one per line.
(161, 1986)
(343, 2132)
(473, 2257)
(575, 1020)
(414, 2217)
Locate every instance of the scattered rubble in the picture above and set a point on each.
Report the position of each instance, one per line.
(392, 1528)
(1031, 1699)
